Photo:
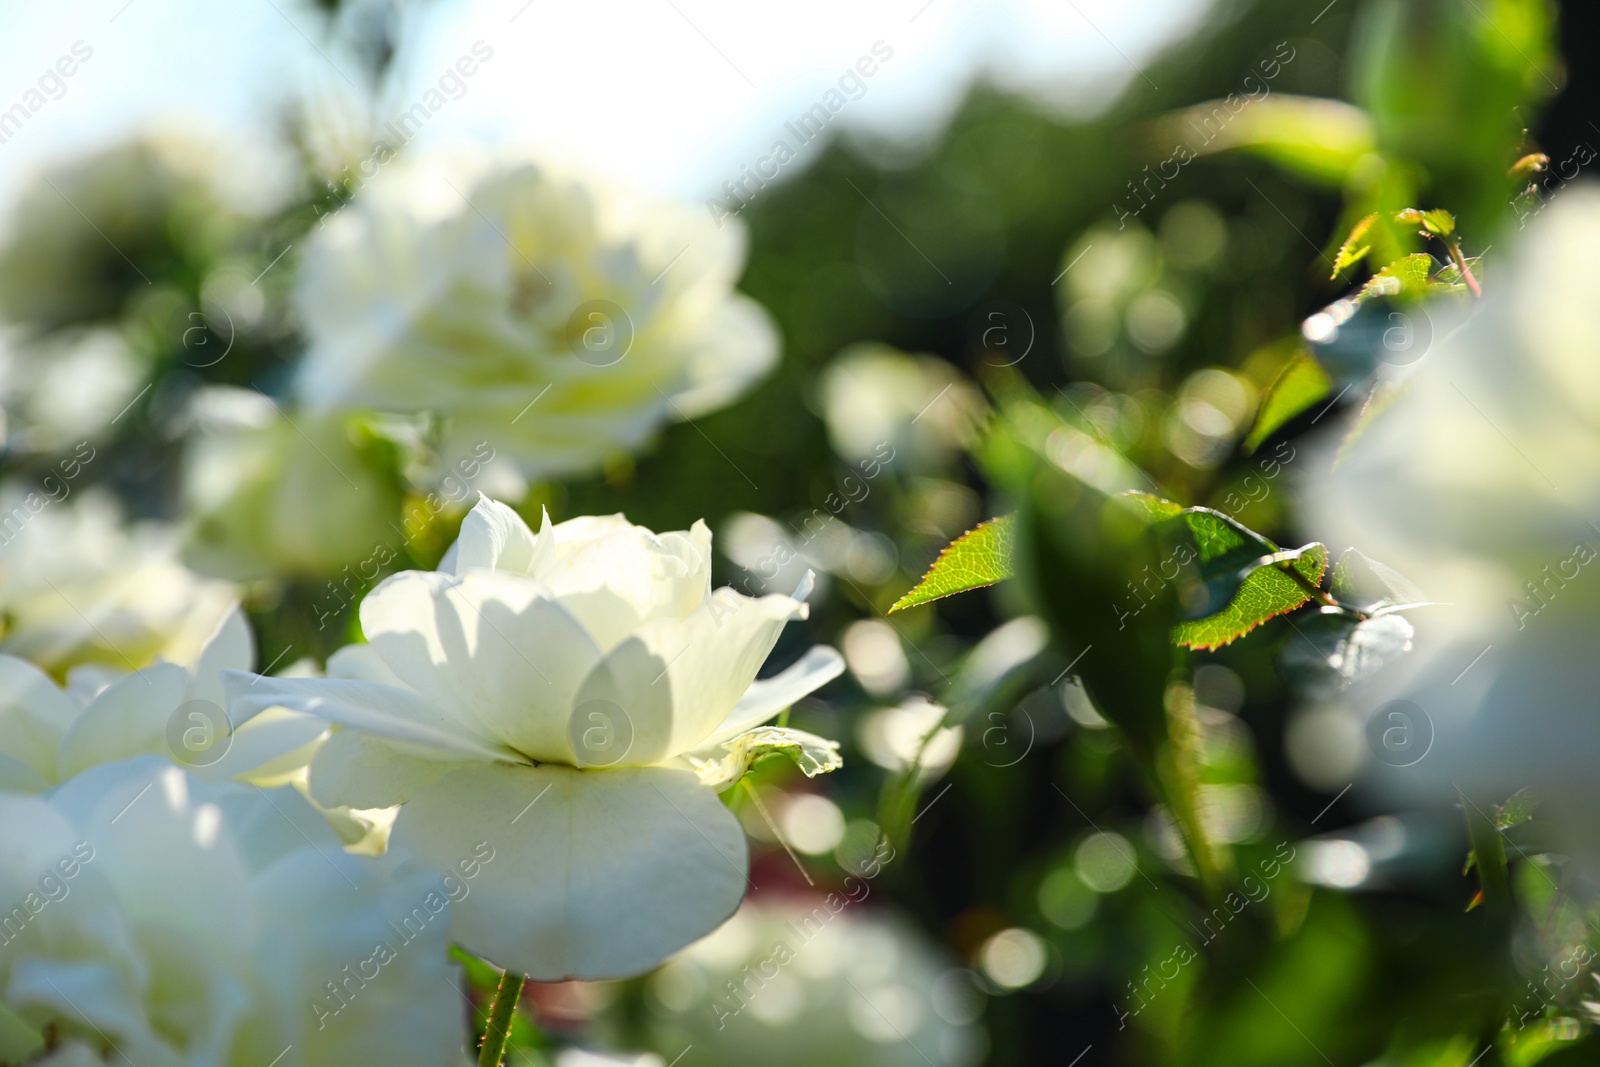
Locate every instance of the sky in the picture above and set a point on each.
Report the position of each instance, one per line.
(667, 96)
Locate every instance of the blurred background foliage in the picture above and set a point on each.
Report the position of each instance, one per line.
(956, 316)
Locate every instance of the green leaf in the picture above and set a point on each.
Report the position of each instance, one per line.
(1352, 252)
(1439, 222)
(979, 557)
(1517, 809)
(1151, 507)
(1242, 575)
(1407, 276)
(812, 754)
(1314, 138)
(1300, 384)
(1264, 592)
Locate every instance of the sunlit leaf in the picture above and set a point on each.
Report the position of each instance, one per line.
(979, 557)
(1353, 250)
(1518, 808)
(1264, 592)
(1299, 385)
(1407, 276)
(1243, 579)
(1439, 222)
(1314, 138)
(812, 754)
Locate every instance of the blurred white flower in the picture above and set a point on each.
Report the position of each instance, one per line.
(916, 412)
(578, 696)
(1481, 483)
(275, 494)
(899, 737)
(77, 586)
(563, 327)
(66, 389)
(817, 981)
(153, 919)
(49, 734)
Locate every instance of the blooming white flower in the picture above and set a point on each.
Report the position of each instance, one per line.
(1481, 483)
(275, 494)
(150, 918)
(576, 697)
(49, 734)
(917, 412)
(560, 326)
(77, 586)
(826, 979)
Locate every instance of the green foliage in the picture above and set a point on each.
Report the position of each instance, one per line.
(979, 557)
(1352, 251)
(1301, 383)
(1320, 140)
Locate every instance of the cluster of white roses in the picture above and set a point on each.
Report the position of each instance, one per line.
(546, 722)
(550, 324)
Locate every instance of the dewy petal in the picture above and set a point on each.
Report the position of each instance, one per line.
(768, 696)
(594, 874)
(812, 754)
(489, 647)
(386, 710)
(494, 536)
(34, 716)
(129, 718)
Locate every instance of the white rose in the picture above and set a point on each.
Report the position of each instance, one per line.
(1482, 484)
(149, 918)
(577, 698)
(49, 734)
(817, 980)
(554, 324)
(275, 494)
(77, 586)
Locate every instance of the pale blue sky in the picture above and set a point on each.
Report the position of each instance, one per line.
(667, 95)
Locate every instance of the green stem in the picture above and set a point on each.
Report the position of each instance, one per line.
(1489, 848)
(1461, 264)
(497, 1034)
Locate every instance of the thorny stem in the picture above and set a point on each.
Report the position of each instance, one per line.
(497, 1034)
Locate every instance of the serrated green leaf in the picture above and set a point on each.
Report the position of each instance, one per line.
(1410, 216)
(1407, 276)
(1352, 251)
(1439, 222)
(1264, 592)
(981, 556)
(1240, 572)
(1300, 384)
